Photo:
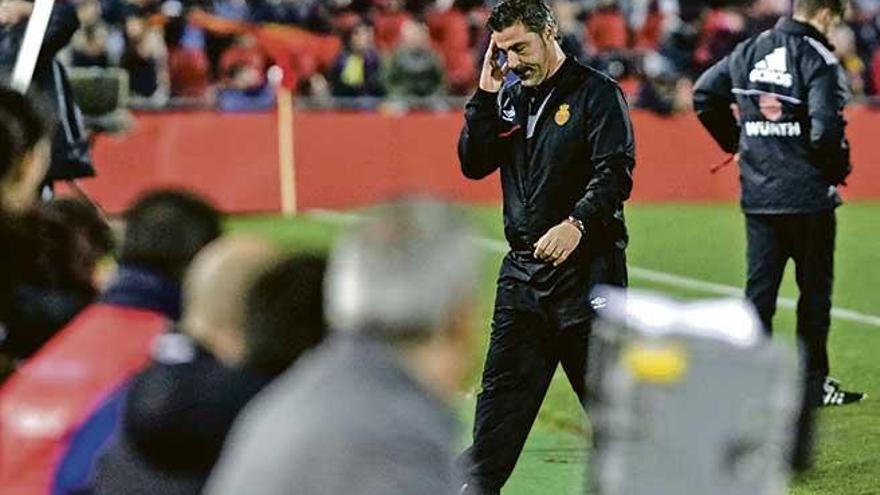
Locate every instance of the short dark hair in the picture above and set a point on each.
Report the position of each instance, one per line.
(21, 128)
(812, 7)
(535, 15)
(165, 230)
(284, 313)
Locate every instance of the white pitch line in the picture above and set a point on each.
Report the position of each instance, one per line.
(662, 278)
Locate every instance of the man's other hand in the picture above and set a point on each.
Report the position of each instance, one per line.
(558, 243)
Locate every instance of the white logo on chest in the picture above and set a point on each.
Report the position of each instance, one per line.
(773, 69)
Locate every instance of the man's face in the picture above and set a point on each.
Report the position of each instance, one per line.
(528, 53)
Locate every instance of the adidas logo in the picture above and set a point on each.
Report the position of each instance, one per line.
(773, 69)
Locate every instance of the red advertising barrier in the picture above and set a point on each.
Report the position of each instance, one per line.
(351, 159)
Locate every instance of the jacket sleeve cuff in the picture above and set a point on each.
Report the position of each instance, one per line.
(587, 215)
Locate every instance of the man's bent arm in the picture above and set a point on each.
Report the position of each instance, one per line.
(610, 136)
(712, 99)
(479, 146)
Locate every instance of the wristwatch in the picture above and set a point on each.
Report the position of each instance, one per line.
(577, 223)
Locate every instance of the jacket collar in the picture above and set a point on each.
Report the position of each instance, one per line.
(558, 81)
(797, 28)
(142, 288)
(563, 82)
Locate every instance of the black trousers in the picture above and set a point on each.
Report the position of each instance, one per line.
(808, 239)
(542, 318)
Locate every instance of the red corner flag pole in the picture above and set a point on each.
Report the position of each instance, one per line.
(286, 161)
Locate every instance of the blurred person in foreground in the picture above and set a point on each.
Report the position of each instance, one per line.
(50, 251)
(24, 152)
(247, 318)
(106, 343)
(562, 138)
(24, 161)
(368, 412)
(777, 101)
(164, 231)
(64, 247)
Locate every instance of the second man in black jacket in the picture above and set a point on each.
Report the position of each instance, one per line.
(789, 92)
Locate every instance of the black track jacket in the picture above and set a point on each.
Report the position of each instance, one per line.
(791, 92)
(578, 163)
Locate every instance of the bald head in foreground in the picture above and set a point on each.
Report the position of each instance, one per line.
(214, 292)
(368, 413)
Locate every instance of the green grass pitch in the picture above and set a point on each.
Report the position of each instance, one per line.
(704, 242)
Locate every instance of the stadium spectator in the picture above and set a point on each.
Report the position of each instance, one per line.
(365, 412)
(146, 59)
(662, 90)
(245, 91)
(89, 45)
(357, 71)
(722, 30)
(763, 14)
(388, 24)
(651, 21)
(844, 41)
(244, 86)
(415, 69)
(189, 70)
(236, 10)
(450, 34)
(612, 35)
(875, 71)
(170, 438)
(570, 32)
(606, 29)
(278, 11)
(244, 52)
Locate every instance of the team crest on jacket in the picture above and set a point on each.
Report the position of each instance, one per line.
(562, 115)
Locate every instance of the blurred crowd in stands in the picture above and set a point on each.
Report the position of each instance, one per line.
(390, 50)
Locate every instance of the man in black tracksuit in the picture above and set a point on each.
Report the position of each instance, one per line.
(777, 100)
(562, 138)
